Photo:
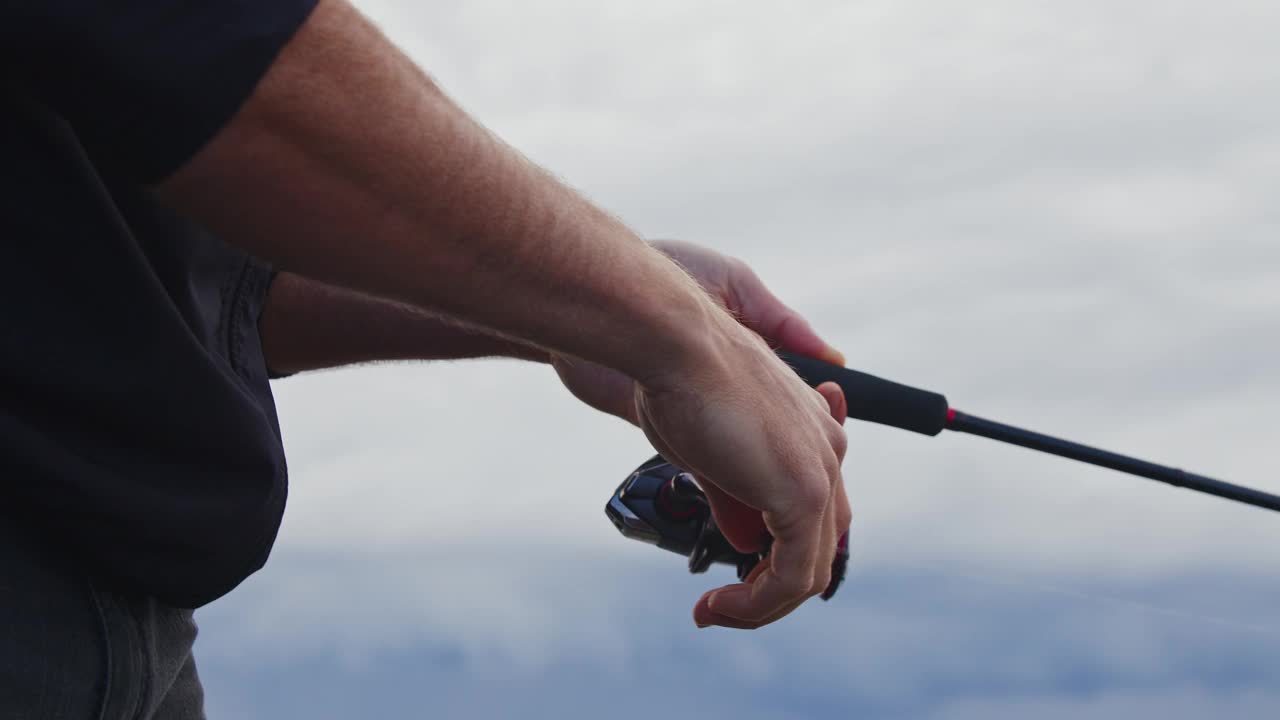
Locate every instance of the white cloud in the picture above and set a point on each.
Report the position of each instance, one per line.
(999, 202)
(1062, 214)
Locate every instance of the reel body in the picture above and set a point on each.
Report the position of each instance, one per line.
(662, 505)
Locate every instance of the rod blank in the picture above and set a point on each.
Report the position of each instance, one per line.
(960, 422)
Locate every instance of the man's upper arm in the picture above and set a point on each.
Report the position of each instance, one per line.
(144, 83)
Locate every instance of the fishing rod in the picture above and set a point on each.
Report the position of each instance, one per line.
(663, 505)
(880, 401)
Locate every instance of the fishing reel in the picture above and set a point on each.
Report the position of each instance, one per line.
(662, 505)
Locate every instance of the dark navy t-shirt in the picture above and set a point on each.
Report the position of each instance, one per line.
(137, 428)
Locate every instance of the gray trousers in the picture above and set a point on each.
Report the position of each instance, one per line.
(71, 650)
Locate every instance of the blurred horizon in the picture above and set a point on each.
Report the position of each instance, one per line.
(1059, 215)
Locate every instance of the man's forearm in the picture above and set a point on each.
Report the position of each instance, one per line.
(350, 166)
(309, 325)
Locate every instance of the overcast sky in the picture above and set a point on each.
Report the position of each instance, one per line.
(1059, 214)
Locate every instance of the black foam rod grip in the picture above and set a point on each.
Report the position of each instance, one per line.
(875, 399)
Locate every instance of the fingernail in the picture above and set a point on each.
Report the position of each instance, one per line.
(703, 627)
(834, 356)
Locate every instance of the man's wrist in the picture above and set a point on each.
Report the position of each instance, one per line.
(698, 343)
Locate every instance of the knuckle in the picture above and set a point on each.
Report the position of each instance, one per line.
(831, 471)
(840, 442)
(820, 582)
(802, 517)
(844, 516)
(740, 269)
(741, 281)
(753, 617)
(795, 586)
(813, 498)
(818, 402)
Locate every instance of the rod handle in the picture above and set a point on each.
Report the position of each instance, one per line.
(875, 399)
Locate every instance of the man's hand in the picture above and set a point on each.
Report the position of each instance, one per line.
(763, 444)
(805, 534)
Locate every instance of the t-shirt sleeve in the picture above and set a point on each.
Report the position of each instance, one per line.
(144, 83)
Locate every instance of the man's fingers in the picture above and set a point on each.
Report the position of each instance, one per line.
(836, 400)
(840, 512)
(792, 562)
(742, 290)
(843, 512)
(835, 524)
(830, 538)
(840, 411)
(704, 617)
(762, 311)
(799, 564)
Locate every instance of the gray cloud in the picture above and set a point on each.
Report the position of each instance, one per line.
(546, 630)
